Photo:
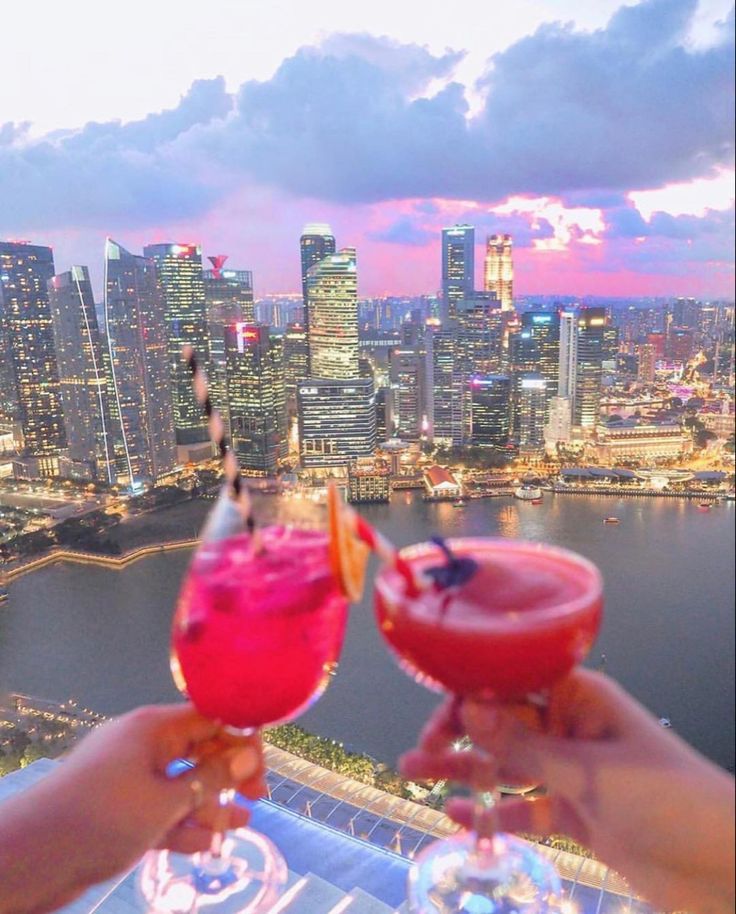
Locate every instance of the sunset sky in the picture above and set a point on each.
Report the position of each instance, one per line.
(602, 139)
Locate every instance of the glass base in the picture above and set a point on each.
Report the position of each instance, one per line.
(447, 879)
(248, 878)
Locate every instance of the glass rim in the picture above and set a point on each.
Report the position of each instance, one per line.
(593, 592)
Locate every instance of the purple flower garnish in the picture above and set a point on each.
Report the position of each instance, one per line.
(456, 571)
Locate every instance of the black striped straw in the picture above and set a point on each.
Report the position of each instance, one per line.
(216, 428)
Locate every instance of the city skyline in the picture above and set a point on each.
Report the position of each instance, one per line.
(219, 167)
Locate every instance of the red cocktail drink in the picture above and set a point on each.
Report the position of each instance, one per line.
(258, 627)
(520, 623)
(496, 620)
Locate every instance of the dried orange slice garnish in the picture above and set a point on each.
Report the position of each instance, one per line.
(348, 554)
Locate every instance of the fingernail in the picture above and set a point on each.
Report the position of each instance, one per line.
(243, 763)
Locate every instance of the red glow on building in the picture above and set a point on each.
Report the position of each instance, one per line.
(218, 262)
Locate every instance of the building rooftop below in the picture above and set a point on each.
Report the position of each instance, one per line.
(334, 872)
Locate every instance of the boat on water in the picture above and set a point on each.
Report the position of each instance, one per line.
(528, 493)
(537, 501)
(704, 506)
(460, 503)
(611, 520)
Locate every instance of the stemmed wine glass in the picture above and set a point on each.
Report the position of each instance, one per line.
(494, 620)
(257, 632)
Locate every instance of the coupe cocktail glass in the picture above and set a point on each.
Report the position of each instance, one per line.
(507, 620)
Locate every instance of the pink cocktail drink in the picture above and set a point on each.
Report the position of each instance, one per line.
(526, 616)
(258, 627)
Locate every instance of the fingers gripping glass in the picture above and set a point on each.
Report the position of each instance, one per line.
(495, 620)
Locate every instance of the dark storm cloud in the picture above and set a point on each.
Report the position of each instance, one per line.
(583, 115)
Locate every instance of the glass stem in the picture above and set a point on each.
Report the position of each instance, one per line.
(485, 825)
(213, 860)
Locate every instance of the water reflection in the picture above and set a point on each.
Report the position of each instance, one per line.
(103, 636)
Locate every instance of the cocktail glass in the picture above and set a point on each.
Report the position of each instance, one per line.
(495, 620)
(257, 631)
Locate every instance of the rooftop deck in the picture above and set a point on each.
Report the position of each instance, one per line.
(348, 847)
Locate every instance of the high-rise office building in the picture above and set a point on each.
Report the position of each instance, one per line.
(179, 270)
(589, 371)
(480, 333)
(255, 396)
(316, 243)
(532, 413)
(140, 393)
(498, 272)
(534, 349)
(647, 364)
(332, 298)
(458, 267)
(544, 327)
(684, 312)
(296, 362)
(444, 387)
(568, 357)
(25, 270)
(229, 300)
(337, 422)
(491, 415)
(558, 429)
(82, 377)
(407, 378)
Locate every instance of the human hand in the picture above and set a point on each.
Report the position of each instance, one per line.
(113, 796)
(637, 795)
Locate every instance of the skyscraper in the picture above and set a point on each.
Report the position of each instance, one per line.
(316, 243)
(458, 267)
(498, 273)
(140, 395)
(255, 396)
(590, 352)
(296, 362)
(568, 360)
(337, 422)
(179, 269)
(229, 300)
(491, 417)
(444, 387)
(82, 376)
(534, 349)
(24, 273)
(407, 378)
(532, 413)
(332, 296)
(647, 371)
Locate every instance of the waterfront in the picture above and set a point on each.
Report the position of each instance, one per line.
(101, 635)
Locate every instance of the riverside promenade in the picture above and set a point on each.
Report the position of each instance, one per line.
(115, 562)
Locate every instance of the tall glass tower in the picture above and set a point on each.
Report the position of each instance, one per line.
(332, 295)
(256, 398)
(316, 243)
(229, 301)
(140, 395)
(179, 269)
(458, 266)
(25, 270)
(498, 273)
(491, 413)
(82, 376)
(589, 372)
